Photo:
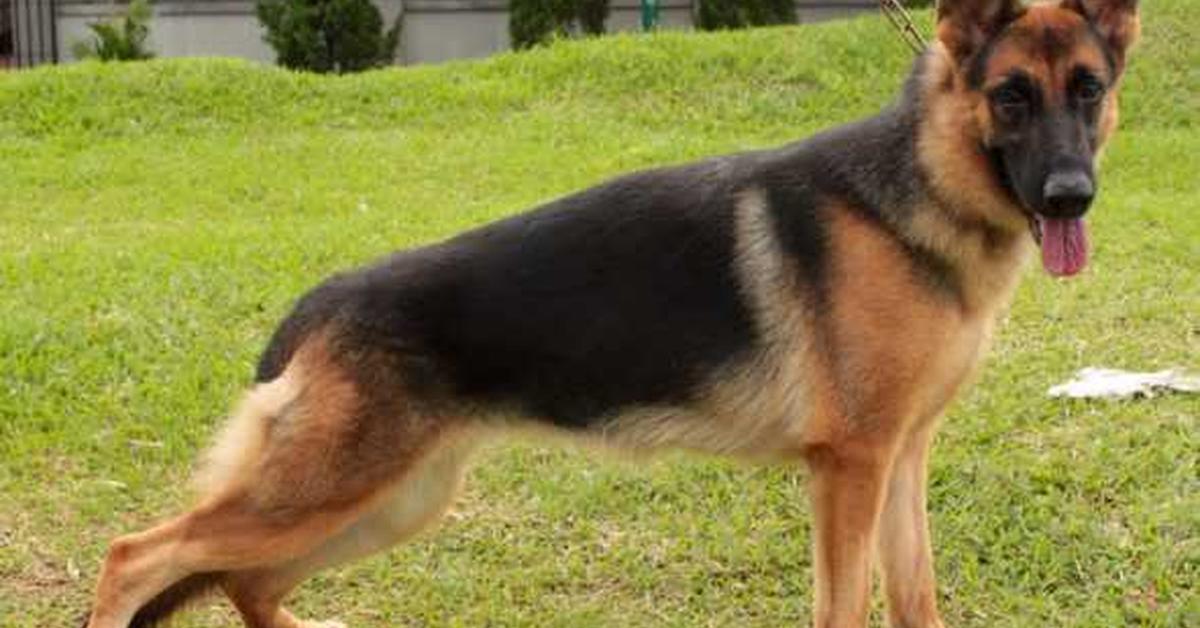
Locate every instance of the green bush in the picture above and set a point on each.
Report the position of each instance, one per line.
(533, 22)
(122, 39)
(725, 14)
(327, 35)
(592, 14)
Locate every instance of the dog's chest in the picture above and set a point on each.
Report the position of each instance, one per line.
(889, 344)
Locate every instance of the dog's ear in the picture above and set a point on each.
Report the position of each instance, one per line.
(1116, 21)
(964, 26)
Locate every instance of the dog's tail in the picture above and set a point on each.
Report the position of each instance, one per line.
(175, 597)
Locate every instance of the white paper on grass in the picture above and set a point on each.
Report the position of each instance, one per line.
(1092, 382)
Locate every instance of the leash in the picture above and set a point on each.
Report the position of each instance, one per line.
(902, 20)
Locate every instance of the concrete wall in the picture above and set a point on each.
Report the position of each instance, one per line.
(821, 10)
(181, 28)
(438, 30)
(434, 30)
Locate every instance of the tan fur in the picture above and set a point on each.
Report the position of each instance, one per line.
(1117, 21)
(240, 442)
(1052, 71)
(290, 498)
(973, 222)
(411, 506)
(905, 554)
(893, 356)
(948, 147)
(901, 351)
(977, 225)
(965, 25)
(901, 355)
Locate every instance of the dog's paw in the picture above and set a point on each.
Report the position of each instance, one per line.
(324, 624)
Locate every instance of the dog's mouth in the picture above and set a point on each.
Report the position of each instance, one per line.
(1063, 237)
(1064, 243)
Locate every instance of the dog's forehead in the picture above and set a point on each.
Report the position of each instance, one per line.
(1046, 42)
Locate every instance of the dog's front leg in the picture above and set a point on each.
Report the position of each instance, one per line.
(847, 488)
(905, 555)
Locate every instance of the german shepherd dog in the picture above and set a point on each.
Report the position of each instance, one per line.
(818, 303)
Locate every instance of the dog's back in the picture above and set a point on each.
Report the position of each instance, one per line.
(636, 294)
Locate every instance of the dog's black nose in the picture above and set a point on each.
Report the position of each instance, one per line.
(1068, 194)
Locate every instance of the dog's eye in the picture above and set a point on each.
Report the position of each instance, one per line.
(1011, 102)
(1089, 89)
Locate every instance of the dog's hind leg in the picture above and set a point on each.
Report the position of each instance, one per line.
(905, 555)
(418, 501)
(227, 534)
(308, 456)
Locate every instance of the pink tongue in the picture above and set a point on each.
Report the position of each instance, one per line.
(1064, 245)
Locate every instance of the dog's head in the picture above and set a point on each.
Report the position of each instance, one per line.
(1042, 82)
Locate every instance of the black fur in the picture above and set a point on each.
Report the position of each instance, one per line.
(871, 167)
(623, 295)
(1034, 140)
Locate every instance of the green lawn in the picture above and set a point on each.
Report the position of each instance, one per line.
(157, 219)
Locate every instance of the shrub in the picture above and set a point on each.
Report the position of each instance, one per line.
(592, 14)
(327, 35)
(723, 14)
(122, 39)
(533, 22)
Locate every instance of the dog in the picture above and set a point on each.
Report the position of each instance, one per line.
(820, 303)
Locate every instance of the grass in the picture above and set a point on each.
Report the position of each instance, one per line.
(157, 219)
